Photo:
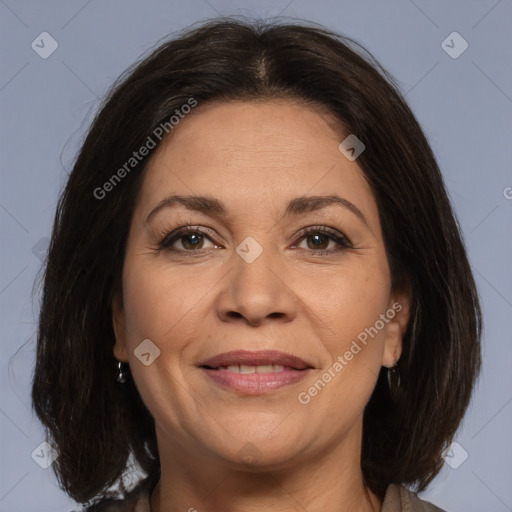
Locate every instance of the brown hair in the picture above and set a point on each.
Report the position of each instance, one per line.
(95, 423)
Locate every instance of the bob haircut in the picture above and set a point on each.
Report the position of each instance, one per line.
(94, 423)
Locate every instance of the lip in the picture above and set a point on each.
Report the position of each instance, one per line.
(293, 370)
(262, 357)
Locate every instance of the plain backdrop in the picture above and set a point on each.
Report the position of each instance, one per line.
(461, 96)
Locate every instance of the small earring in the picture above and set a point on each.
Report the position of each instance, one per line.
(122, 372)
(394, 379)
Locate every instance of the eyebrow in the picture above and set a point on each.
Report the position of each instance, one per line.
(297, 206)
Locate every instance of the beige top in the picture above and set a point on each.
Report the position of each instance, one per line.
(397, 499)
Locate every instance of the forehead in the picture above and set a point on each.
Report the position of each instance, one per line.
(250, 154)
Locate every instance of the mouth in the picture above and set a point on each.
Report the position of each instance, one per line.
(262, 359)
(255, 373)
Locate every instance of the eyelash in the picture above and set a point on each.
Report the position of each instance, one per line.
(169, 238)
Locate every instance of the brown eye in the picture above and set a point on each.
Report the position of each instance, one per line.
(318, 240)
(192, 241)
(190, 238)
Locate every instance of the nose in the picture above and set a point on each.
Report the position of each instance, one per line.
(257, 292)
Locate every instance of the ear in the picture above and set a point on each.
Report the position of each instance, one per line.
(120, 349)
(398, 313)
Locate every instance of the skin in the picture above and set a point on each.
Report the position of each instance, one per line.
(255, 157)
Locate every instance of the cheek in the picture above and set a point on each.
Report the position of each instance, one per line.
(160, 305)
(159, 301)
(349, 304)
(348, 301)
(143, 304)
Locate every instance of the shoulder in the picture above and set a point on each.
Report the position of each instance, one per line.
(399, 499)
(137, 500)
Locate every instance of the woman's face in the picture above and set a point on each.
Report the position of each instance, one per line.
(248, 278)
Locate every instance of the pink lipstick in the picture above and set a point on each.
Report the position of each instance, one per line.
(255, 373)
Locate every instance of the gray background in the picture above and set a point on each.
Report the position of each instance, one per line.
(464, 105)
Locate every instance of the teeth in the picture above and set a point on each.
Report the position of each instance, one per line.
(243, 368)
(266, 368)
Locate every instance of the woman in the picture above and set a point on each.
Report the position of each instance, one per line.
(256, 286)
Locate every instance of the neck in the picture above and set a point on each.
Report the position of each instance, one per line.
(329, 482)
